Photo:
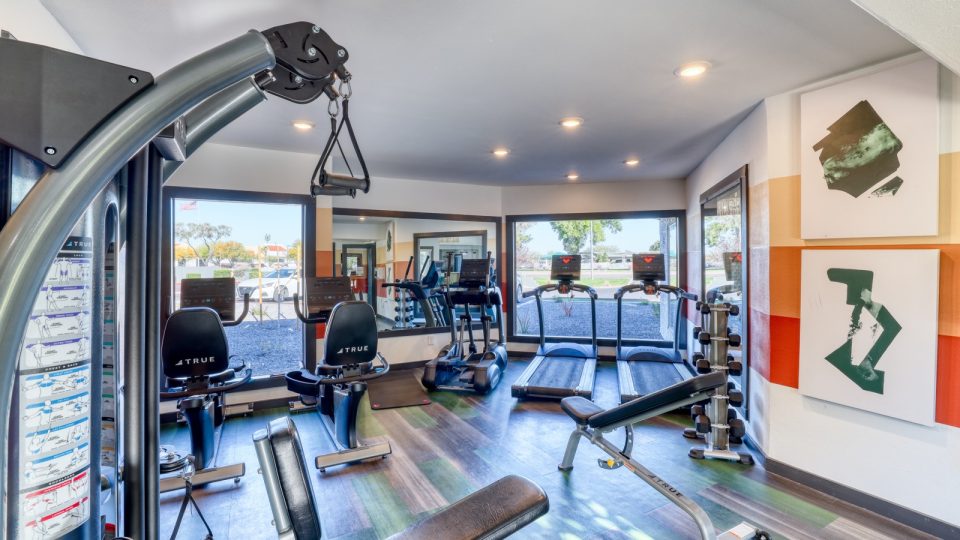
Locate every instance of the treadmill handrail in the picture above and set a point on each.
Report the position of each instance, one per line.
(578, 287)
(33, 235)
(682, 297)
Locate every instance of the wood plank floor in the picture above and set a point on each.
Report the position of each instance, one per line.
(462, 442)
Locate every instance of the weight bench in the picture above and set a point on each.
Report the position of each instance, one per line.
(594, 421)
(496, 511)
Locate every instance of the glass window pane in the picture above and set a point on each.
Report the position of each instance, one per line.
(260, 246)
(607, 247)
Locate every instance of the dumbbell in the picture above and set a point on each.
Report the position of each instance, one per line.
(702, 423)
(703, 338)
(735, 397)
(733, 339)
(695, 411)
(704, 308)
(701, 363)
(734, 367)
(734, 310)
(731, 414)
(737, 428)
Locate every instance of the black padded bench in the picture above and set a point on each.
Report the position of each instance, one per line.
(593, 421)
(496, 511)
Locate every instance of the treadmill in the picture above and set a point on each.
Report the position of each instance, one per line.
(645, 369)
(561, 369)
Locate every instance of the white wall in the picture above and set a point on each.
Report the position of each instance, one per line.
(422, 196)
(29, 21)
(910, 465)
(930, 25)
(595, 197)
(221, 166)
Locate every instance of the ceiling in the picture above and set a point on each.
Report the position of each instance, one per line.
(439, 83)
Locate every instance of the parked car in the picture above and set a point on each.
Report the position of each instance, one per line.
(276, 285)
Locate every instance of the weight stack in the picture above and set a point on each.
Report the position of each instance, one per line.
(716, 422)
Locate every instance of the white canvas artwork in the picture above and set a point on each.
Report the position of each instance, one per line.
(868, 330)
(869, 155)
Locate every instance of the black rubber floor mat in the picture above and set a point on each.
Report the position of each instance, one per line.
(399, 388)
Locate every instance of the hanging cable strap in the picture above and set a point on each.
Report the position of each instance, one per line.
(324, 183)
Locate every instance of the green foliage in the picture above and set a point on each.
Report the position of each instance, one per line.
(231, 250)
(655, 247)
(575, 234)
(222, 273)
(204, 234)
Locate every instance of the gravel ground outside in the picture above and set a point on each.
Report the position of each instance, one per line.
(641, 320)
(268, 347)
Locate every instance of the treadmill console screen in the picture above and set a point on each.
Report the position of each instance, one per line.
(323, 293)
(218, 294)
(565, 268)
(474, 273)
(649, 267)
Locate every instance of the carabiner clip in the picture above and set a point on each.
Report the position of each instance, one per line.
(333, 108)
(345, 89)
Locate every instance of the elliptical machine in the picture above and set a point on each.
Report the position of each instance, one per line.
(460, 365)
(195, 357)
(349, 349)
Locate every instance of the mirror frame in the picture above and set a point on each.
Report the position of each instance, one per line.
(741, 177)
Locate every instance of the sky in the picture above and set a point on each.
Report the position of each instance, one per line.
(250, 221)
(637, 235)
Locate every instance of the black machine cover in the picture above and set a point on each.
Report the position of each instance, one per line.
(584, 411)
(292, 471)
(194, 344)
(495, 511)
(351, 336)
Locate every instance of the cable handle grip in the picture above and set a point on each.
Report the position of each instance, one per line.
(243, 314)
(301, 316)
(540, 290)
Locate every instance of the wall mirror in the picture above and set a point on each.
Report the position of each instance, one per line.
(399, 262)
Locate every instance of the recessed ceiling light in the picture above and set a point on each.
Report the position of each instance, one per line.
(573, 177)
(501, 152)
(303, 125)
(692, 69)
(632, 162)
(571, 122)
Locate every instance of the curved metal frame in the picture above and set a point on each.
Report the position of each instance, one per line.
(61, 196)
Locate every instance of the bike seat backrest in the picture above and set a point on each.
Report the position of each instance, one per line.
(194, 344)
(351, 336)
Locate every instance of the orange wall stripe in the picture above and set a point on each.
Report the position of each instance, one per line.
(784, 351)
(324, 263)
(948, 381)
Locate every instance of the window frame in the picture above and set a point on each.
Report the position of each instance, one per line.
(510, 233)
(308, 234)
(742, 177)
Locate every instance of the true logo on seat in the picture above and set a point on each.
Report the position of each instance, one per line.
(195, 361)
(342, 350)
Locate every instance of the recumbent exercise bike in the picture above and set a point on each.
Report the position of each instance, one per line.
(340, 380)
(195, 359)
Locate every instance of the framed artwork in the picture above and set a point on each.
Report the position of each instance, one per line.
(869, 155)
(868, 330)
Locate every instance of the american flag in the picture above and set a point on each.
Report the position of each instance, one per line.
(188, 206)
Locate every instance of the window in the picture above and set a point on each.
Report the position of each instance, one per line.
(723, 234)
(607, 244)
(257, 239)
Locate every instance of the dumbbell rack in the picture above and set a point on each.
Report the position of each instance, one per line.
(716, 422)
(403, 309)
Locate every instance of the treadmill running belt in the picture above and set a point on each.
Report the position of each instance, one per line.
(558, 372)
(649, 377)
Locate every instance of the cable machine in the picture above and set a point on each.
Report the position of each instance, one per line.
(85, 147)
